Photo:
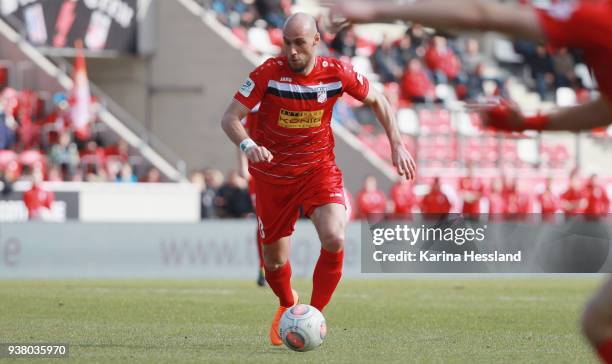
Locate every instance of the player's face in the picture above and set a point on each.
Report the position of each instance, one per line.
(299, 51)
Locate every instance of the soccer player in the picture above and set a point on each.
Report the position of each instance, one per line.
(586, 25)
(291, 155)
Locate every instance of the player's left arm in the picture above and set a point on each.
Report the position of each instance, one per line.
(402, 159)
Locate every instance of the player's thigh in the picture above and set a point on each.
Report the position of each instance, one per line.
(277, 210)
(330, 222)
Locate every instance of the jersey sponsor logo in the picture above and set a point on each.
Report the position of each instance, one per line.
(300, 119)
(247, 87)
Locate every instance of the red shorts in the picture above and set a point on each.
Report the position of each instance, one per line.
(278, 206)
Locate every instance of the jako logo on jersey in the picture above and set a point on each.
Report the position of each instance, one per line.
(321, 94)
(246, 89)
(285, 79)
(300, 119)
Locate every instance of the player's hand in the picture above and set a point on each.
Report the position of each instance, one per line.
(258, 154)
(353, 11)
(403, 161)
(505, 117)
(334, 23)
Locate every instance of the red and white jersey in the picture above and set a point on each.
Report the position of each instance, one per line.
(586, 25)
(294, 117)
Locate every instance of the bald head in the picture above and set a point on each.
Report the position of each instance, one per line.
(300, 38)
(300, 25)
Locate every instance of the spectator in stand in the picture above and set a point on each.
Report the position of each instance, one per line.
(214, 180)
(564, 65)
(272, 11)
(93, 157)
(471, 191)
(127, 174)
(406, 50)
(417, 35)
(403, 198)
(153, 176)
(8, 177)
(542, 71)
(96, 174)
(37, 200)
(206, 202)
(497, 202)
(442, 61)
(573, 200)
(435, 202)
(233, 199)
(119, 151)
(65, 154)
(415, 84)
(385, 61)
(371, 202)
(598, 202)
(549, 201)
(518, 204)
(55, 174)
(345, 42)
(473, 64)
(7, 130)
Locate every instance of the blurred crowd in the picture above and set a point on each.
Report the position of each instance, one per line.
(222, 196)
(500, 197)
(505, 197)
(38, 136)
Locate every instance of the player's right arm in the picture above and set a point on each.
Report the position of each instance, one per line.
(249, 95)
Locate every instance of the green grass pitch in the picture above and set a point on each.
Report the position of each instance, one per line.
(492, 320)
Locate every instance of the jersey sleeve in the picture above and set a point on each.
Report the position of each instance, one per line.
(254, 87)
(579, 24)
(354, 83)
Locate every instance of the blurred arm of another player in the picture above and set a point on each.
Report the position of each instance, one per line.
(237, 133)
(590, 115)
(516, 20)
(521, 21)
(402, 160)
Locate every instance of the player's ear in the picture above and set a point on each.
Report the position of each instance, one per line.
(317, 39)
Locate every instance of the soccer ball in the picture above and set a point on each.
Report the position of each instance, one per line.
(302, 328)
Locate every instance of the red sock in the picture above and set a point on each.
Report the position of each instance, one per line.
(605, 351)
(326, 276)
(280, 282)
(259, 250)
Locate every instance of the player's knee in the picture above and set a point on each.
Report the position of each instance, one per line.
(333, 240)
(274, 263)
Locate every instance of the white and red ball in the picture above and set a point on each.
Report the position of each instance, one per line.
(302, 328)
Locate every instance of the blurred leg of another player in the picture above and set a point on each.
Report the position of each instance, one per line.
(597, 322)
